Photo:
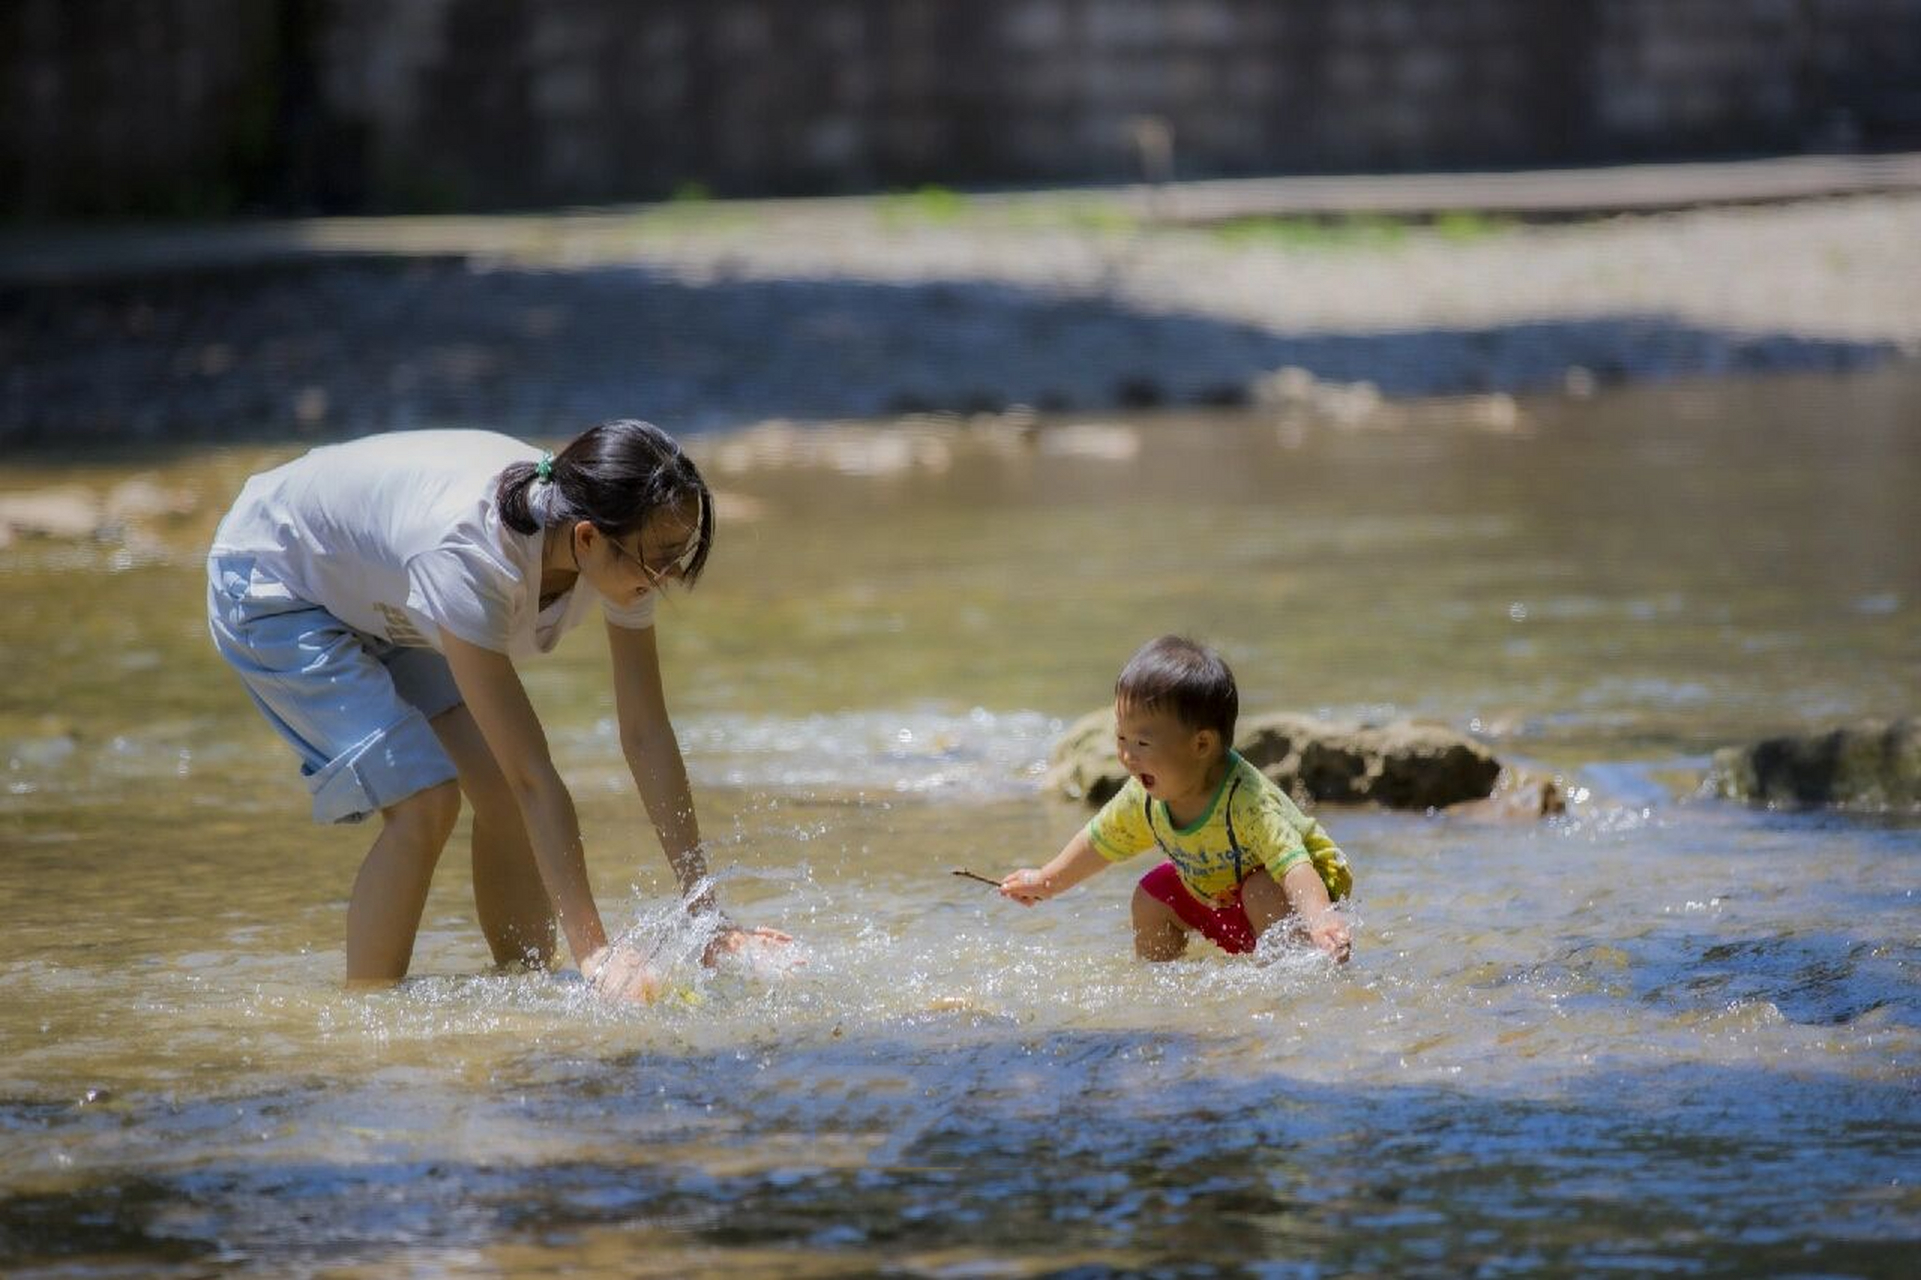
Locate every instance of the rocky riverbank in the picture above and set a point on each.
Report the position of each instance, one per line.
(1405, 765)
(1874, 765)
(706, 315)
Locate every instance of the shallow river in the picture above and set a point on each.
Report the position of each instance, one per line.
(1660, 1033)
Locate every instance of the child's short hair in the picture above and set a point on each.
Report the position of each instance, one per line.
(1188, 679)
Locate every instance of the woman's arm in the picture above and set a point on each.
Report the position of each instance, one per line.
(499, 704)
(653, 755)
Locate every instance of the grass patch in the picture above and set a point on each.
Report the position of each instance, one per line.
(1103, 219)
(1461, 224)
(690, 207)
(1355, 232)
(1362, 231)
(928, 204)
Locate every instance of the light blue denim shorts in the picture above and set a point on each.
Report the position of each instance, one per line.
(355, 707)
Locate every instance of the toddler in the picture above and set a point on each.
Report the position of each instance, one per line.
(1238, 855)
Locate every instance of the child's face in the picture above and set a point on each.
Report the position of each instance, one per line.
(1171, 760)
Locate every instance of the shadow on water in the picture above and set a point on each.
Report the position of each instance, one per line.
(1811, 976)
(1815, 979)
(1075, 1145)
(330, 349)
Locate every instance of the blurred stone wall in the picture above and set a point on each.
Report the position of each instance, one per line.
(112, 107)
(217, 105)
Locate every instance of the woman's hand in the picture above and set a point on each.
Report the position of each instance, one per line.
(733, 940)
(621, 973)
(1027, 887)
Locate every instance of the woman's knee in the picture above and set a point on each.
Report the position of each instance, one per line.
(495, 807)
(427, 815)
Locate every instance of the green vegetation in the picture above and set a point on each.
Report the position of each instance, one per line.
(1348, 232)
(1364, 231)
(692, 206)
(1103, 219)
(1461, 224)
(929, 203)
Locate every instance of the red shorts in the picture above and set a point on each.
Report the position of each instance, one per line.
(1226, 927)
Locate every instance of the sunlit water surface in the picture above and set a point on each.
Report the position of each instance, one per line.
(1660, 1033)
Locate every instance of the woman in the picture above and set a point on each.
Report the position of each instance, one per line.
(374, 597)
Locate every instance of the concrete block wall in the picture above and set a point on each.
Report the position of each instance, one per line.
(130, 105)
(123, 106)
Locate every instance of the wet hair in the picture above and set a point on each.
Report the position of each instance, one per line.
(614, 476)
(1186, 679)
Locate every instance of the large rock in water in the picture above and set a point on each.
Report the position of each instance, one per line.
(1404, 765)
(1872, 765)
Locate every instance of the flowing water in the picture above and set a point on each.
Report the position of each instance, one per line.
(1660, 1033)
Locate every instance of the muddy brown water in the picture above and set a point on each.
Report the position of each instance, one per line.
(1659, 1033)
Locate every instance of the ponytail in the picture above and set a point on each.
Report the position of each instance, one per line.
(511, 496)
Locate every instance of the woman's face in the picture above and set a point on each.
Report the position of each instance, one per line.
(626, 568)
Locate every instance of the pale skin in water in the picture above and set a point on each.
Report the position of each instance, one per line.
(529, 867)
(1183, 767)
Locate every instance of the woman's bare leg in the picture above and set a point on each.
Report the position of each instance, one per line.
(390, 890)
(516, 916)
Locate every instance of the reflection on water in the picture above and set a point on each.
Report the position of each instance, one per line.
(1657, 1033)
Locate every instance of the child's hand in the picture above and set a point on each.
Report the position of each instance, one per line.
(1027, 887)
(1328, 931)
(620, 973)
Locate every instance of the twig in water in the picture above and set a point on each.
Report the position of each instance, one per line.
(971, 875)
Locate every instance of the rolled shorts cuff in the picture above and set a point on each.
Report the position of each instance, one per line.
(382, 769)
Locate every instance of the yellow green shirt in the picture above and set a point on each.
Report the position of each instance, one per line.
(1250, 823)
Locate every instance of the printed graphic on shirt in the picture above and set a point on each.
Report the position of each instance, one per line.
(400, 628)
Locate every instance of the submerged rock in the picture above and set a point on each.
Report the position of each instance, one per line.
(1875, 764)
(1082, 765)
(1518, 795)
(1405, 765)
(72, 512)
(66, 511)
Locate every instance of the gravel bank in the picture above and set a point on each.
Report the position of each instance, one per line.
(705, 315)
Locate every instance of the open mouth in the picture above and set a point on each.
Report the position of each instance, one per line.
(1147, 780)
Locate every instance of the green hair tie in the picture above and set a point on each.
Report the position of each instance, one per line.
(544, 472)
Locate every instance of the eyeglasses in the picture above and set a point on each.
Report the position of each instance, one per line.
(678, 567)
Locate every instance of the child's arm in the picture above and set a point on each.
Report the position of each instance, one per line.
(1307, 896)
(1073, 864)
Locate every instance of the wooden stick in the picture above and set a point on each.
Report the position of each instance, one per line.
(963, 871)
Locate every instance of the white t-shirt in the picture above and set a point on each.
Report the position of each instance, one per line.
(399, 536)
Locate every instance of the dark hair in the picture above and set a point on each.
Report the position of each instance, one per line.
(1188, 679)
(614, 476)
